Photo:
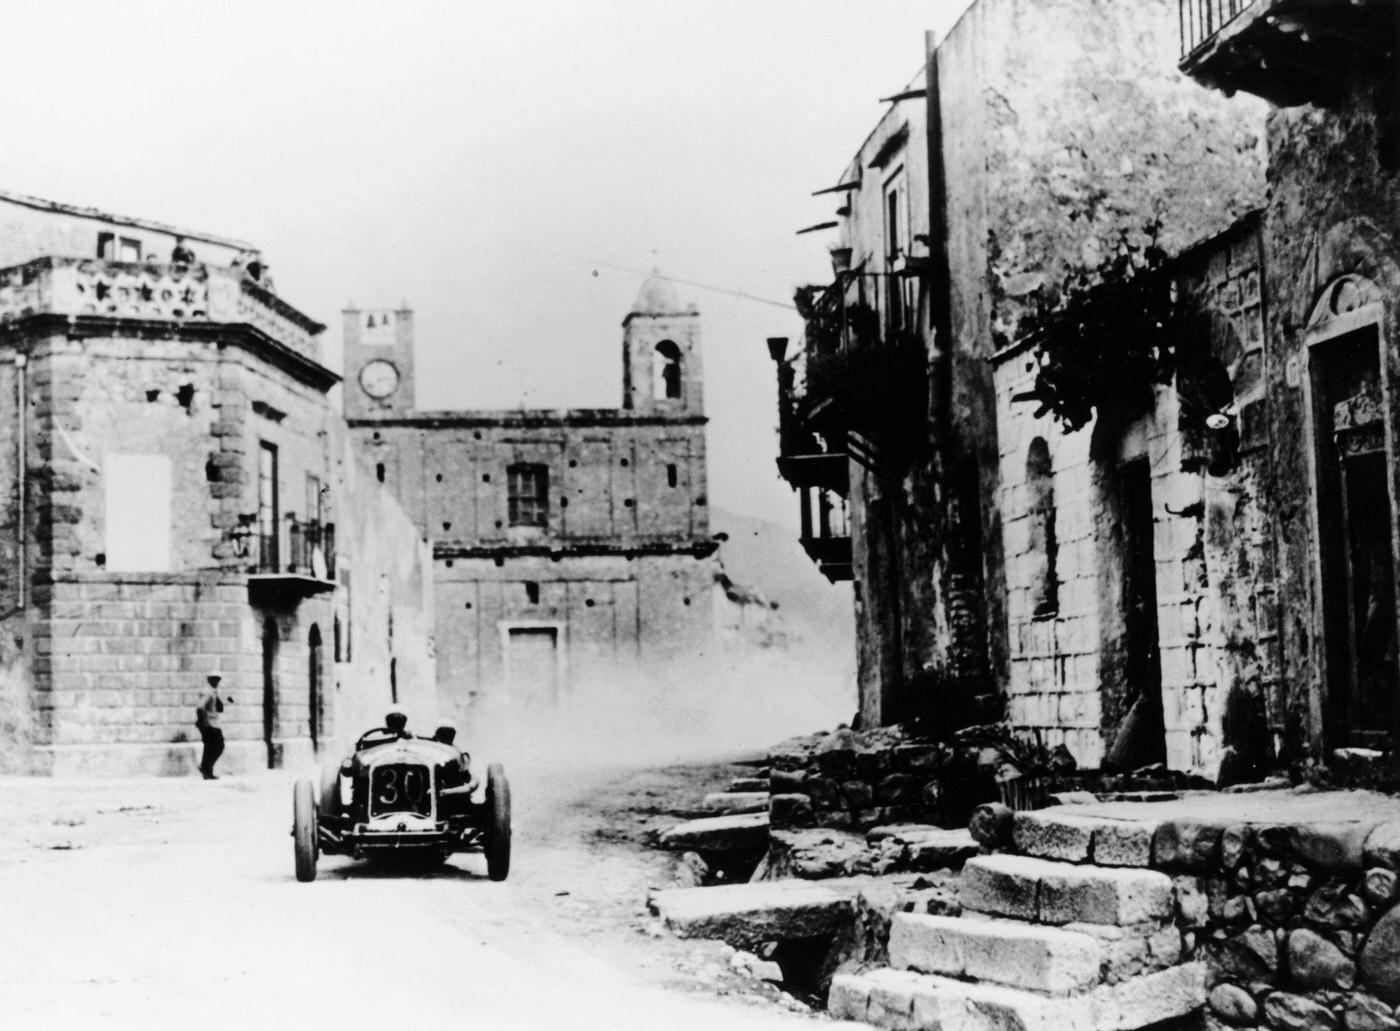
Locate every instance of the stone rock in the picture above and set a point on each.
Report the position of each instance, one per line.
(1150, 999)
(1383, 846)
(1336, 848)
(1333, 907)
(991, 825)
(1288, 1012)
(787, 782)
(790, 810)
(896, 789)
(1380, 957)
(916, 758)
(1234, 845)
(691, 870)
(1276, 906)
(1316, 963)
(858, 794)
(1192, 905)
(1247, 957)
(1233, 1005)
(1364, 1012)
(719, 834)
(1186, 844)
(747, 915)
(1379, 886)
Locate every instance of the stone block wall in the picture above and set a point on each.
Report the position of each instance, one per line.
(614, 618)
(1216, 615)
(609, 479)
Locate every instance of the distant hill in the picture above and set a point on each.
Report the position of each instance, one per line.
(767, 557)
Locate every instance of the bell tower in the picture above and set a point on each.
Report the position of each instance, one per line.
(378, 362)
(661, 373)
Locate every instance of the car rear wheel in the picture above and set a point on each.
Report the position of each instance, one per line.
(304, 829)
(498, 829)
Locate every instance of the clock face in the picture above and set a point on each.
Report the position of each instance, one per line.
(379, 378)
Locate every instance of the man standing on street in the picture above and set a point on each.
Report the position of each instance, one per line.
(206, 718)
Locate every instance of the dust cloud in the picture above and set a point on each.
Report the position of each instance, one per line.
(679, 711)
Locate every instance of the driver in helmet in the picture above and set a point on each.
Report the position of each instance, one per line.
(456, 776)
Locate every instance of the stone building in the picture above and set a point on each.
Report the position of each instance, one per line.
(1330, 239)
(1040, 136)
(995, 554)
(175, 475)
(571, 548)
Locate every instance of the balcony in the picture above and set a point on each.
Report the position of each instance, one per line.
(1287, 51)
(294, 564)
(827, 538)
(864, 378)
(188, 295)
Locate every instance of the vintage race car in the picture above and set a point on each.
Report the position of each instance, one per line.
(401, 797)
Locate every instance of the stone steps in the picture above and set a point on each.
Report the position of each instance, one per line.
(911, 1001)
(1050, 892)
(1061, 834)
(744, 831)
(1006, 952)
(737, 801)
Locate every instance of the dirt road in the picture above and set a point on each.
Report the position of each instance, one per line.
(171, 904)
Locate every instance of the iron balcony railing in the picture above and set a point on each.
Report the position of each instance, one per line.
(303, 542)
(1202, 19)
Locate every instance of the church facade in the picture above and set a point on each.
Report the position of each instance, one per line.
(572, 553)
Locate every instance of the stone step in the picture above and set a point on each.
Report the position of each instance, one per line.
(746, 784)
(1007, 952)
(719, 834)
(1062, 834)
(1051, 892)
(748, 915)
(737, 801)
(911, 1001)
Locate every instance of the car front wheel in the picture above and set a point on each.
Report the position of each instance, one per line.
(304, 829)
(498, 830)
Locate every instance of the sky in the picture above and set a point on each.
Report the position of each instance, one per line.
(511, 171)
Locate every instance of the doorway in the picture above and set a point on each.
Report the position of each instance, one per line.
(1355, 525)
(532, 665)
(314, 695)
(269, 691)
(1141, 737)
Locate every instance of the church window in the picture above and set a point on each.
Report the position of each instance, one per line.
(666, 365)
(527, 494)
(671, 475)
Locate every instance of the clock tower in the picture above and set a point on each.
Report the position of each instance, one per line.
(378, 362)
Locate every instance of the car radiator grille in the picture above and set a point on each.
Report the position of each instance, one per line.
(401, 788)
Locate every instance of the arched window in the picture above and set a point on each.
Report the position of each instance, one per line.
(1041, 547)
(666, 370)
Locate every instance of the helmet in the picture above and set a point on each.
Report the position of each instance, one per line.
(396, 721)
(446, 732)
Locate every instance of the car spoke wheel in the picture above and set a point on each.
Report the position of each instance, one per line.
(498, 830)
(304, 829)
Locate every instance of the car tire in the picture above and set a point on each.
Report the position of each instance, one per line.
(498, 828)
(304, 830)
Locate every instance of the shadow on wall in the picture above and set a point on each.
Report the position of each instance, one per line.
(680, 711)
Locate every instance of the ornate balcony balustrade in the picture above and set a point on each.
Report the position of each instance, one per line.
(297, 562)
(153, 292)
(1286, 51)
